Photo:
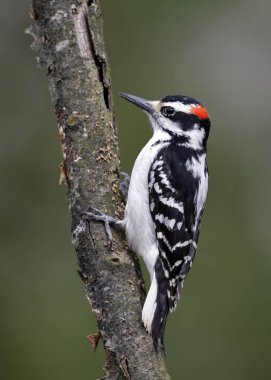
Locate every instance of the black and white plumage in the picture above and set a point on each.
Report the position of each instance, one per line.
(166, 197)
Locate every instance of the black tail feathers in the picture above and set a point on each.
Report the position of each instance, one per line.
(162, 307)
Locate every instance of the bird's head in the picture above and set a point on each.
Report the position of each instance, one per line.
(181, 117)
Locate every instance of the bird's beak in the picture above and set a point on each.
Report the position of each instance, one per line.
(146, 105)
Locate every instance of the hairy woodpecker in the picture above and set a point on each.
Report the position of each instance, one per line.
(165, 201)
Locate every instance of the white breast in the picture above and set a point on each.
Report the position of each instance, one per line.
(138, 222)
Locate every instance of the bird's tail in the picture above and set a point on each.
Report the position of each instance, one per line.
(156, 307)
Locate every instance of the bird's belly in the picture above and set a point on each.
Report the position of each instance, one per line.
(139, 226)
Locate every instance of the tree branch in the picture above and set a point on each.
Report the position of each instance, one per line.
(68, 39)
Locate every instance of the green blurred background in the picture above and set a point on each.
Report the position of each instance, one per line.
(217, 52)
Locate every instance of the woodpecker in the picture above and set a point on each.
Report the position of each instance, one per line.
(165, 201)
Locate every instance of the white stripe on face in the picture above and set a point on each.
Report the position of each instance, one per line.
(178, 106)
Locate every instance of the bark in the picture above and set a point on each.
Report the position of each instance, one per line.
(68, 40)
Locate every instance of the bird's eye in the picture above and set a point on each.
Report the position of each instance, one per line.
(168, 111)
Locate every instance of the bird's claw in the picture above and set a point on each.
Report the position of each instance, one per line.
(96, 214)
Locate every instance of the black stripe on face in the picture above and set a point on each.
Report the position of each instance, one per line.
(186, 121)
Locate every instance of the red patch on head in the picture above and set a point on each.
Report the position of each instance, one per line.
(200, 111)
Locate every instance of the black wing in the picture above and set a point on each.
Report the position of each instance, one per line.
(172, 192)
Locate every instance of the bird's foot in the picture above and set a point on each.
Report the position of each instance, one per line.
(95, 214)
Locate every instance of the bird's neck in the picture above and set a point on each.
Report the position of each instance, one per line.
(192, 140)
